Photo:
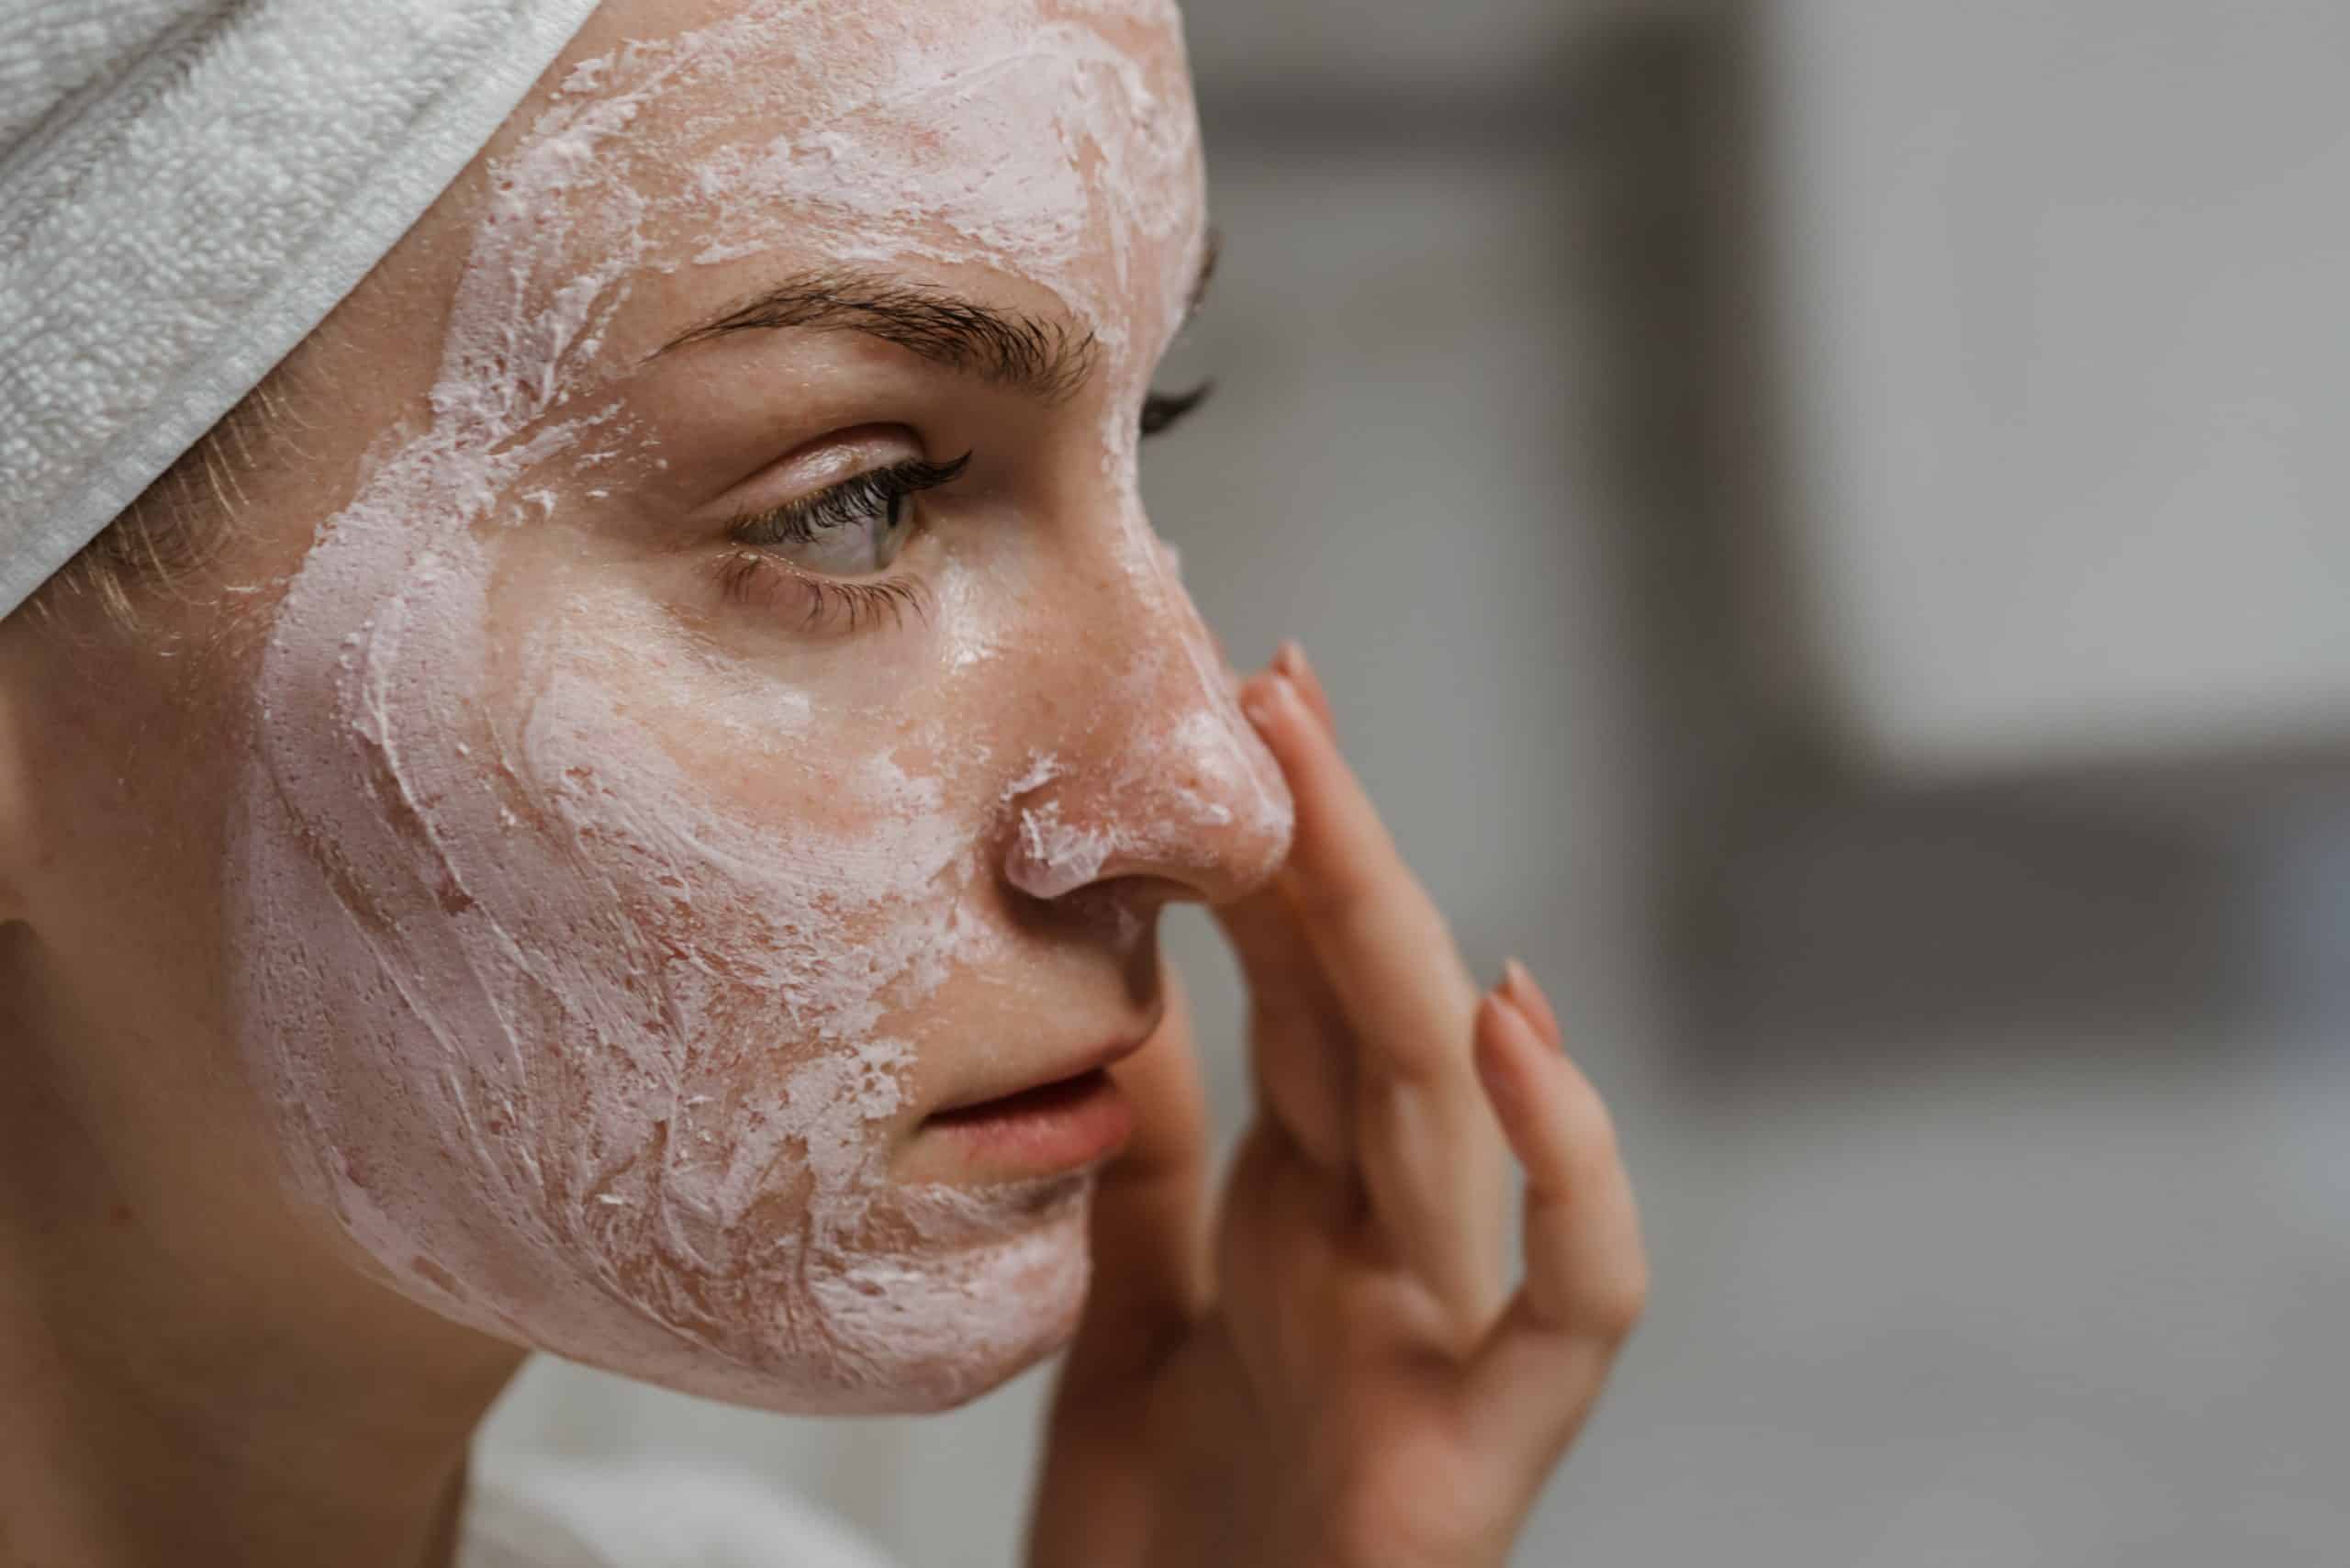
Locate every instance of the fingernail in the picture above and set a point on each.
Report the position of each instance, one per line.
(1514, 977)
(1270, 694)
(1290, 657)
(1487, 1055)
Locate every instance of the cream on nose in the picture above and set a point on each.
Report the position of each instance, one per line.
(1170, 782)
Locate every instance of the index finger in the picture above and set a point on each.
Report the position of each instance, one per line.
(1384, 946)
(1425, 1144)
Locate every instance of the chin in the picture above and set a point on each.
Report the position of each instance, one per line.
(926, 1324)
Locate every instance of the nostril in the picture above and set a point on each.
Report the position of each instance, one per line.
(1163, 778)
(1052, 856)
(1199, 804)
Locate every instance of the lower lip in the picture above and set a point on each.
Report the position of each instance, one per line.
(1060, 1127)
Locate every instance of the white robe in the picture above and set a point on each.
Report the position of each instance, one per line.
(639, 1514)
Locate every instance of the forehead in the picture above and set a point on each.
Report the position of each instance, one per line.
(1052, 140)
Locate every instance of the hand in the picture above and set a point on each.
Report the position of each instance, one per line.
(1333, 1376)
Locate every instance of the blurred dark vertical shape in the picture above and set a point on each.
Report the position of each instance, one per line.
(1665, 241)
(1805, 910)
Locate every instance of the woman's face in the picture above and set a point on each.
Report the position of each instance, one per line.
(736, 709)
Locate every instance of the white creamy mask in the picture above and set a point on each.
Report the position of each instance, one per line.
(600, 967)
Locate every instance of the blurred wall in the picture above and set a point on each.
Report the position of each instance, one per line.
(2064, 330)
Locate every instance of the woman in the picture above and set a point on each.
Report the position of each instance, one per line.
(615, 802)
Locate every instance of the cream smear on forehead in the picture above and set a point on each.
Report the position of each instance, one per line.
(579, 1051)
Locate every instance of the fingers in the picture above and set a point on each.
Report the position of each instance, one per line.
(1150, 1280)
(1149, 1225)
(1384, 946)
(1291, 661)
(1519, 987)
(1423, 1141)
(1282, 1228)
(1300, 1050)
(1586, 1273)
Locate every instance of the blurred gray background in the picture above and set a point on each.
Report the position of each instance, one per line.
(1827, 529)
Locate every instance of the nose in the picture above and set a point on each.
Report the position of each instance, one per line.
(1161, 778)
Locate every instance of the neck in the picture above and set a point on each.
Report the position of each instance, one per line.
(196, 1372)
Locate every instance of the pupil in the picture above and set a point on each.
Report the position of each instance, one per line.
(885, 540)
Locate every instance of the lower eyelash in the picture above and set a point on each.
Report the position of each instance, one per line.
(759, 577)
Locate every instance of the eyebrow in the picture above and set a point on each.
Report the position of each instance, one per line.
(1044, 358)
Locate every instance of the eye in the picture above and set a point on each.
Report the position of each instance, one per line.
(852, 528)
(1161, 410)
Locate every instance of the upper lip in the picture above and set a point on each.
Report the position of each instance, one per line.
(1100, 1057)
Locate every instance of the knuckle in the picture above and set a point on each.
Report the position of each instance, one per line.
(1335, 896)
(1414, 1063)
(1282, 1012)
(1368, 888)
(1601, 1156)
(1590, 1130)
(1613, 1307)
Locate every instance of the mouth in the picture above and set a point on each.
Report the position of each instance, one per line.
(1062, 1125)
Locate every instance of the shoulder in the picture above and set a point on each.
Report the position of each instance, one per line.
(638, 1514)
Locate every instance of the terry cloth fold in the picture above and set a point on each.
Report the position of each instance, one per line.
(186, 188)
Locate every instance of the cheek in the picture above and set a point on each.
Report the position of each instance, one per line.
(794, 887)
(584, 990)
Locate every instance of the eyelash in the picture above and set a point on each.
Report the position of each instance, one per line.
(752, 573)
(1161, 410)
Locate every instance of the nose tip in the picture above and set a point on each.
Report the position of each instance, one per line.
(1184, 793)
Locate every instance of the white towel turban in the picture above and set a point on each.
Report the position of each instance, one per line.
(186, 188)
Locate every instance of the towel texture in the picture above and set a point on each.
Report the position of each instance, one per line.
(186, 188)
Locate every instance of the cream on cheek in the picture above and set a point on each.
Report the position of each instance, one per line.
(581, 1051)
(582, 1045)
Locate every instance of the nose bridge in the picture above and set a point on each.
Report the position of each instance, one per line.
(1165, 777)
